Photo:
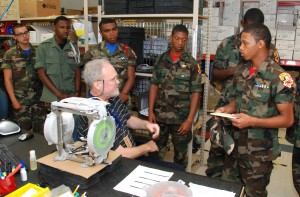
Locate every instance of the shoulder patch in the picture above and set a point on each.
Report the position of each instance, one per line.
(286, 79)
(276, 56)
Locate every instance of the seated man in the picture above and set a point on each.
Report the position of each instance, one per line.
(102, 79)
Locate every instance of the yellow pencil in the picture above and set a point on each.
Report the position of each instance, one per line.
(76, 189)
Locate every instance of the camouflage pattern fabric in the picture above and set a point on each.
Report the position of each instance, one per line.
(123, 57)
(257, 96)
(176, 82)
(27, 88)
(255, 175)
(180, 143)
(219, 135)
(60, 65)
(227, 56)
(293, 136)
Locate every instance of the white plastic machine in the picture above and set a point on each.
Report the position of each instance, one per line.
(59, 127)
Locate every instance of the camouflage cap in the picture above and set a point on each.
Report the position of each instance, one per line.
(219, 136)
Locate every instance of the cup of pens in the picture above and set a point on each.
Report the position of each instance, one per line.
(7, 185)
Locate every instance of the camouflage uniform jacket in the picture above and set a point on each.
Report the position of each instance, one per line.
(176, 82)
(228, 56)
(27, 86)
(293, 133)
(257, 96)
(123, 57)
(60, 65)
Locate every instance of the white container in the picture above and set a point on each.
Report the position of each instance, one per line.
(32, 160)
(23, 174)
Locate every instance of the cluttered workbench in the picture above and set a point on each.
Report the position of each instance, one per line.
(109, 180)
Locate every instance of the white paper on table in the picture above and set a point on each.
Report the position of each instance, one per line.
(208, 191)
(141, 178)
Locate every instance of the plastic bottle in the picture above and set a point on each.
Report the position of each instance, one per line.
(32, 159)
(23, 172)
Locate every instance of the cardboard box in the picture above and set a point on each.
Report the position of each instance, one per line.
(232, 20)
(214, 11)
(285, 44)
(286, 54)
(268, 6)
(286, 33)
(34, 8)
(36, 36)
(296, 55)
(74, 12)
(226, 31)
(233, 7)
(270, 20)
(285, 19)
(13, 11)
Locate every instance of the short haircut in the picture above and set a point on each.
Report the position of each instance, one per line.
(254, 15)
(17, 25)
(259, 32)
(180, 28)
(93, 71)
(60, 18)
(106, 21)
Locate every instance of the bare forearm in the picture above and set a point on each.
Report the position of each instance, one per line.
(222, 74)
(47, 82)
(194, 106)
(137, 123)
(133, 152)
(152, 97)
(130, 80)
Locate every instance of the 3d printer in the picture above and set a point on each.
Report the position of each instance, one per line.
(59, 127)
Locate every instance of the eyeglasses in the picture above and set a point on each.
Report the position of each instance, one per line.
(25, 33)
(115, 79)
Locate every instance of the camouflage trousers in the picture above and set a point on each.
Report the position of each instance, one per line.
(30, 117)
(180, 143)
(254, 175)
(296, 169)
(216, 158)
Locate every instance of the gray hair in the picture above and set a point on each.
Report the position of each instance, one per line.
(93, 71)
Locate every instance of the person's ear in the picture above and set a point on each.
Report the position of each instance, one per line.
(98, 85)
(261, 44)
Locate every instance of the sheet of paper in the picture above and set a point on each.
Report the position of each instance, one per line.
(141, 178)
(208, 191)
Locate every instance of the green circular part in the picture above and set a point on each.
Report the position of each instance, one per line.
(103, 134)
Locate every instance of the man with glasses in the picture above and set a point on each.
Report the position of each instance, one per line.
(103, 82)
(58, 64)
(120, 56)
(22, 83)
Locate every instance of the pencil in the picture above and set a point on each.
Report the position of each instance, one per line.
(76, 189)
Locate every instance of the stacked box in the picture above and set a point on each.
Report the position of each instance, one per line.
(296, 55)
(285, 40)
(268, 6)
(33, 8)
(173, 6)
(116, 7)
(13, 11)
(134, 38)
(141, 7)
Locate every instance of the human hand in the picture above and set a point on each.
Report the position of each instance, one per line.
(124, 97)
(242, 120)
(152, 147)
(17, 105)
(153, 128)
(151, 117)
(185, 128)
(62, 96)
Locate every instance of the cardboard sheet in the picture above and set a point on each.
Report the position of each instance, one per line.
(74, 167)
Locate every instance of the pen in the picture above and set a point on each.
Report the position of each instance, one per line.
(15, 170)
(83, 195)
(76, 189)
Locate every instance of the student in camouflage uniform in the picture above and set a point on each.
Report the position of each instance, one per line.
(263, 102)
(22, 83)
(224, 67)
(174, 95)
(58, 64)
(120, 56)
(293, 136)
